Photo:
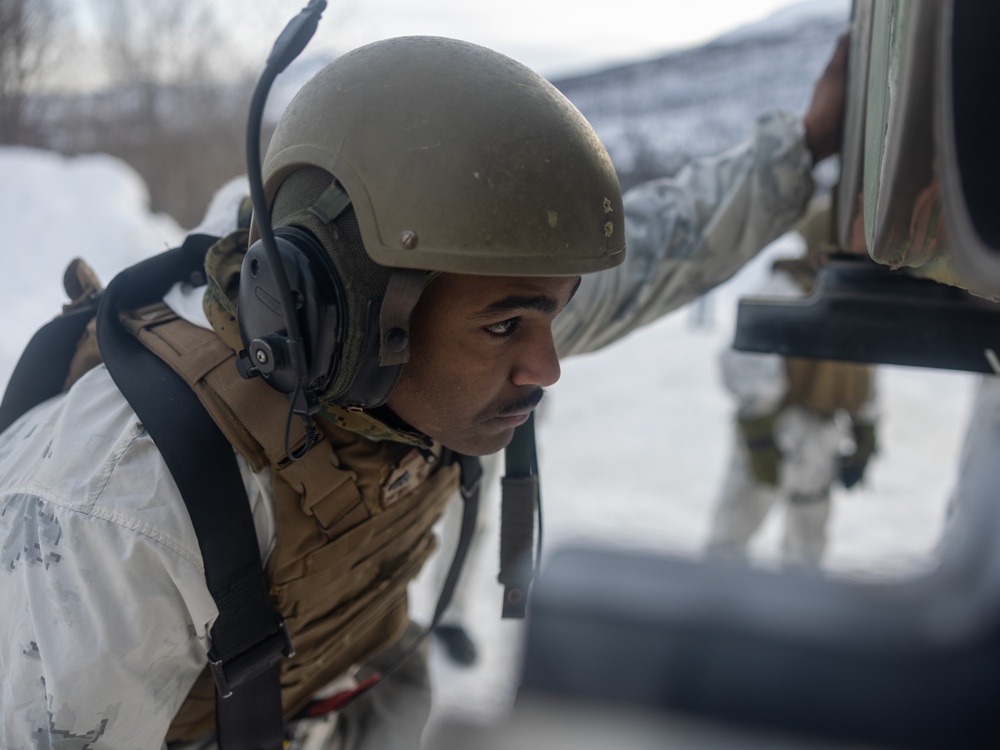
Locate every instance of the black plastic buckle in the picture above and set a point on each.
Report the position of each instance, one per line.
(243, 667)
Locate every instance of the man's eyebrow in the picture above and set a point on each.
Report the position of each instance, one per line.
(542, 303)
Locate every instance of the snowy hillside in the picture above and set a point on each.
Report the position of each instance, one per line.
(655, 115)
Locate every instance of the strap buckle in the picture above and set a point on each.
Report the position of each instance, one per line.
(240, 668)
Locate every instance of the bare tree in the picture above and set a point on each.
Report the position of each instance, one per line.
(27, 49)
(177, 100)
(154, 47)
(178, 82)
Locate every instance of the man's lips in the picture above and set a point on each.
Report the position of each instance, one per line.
(513, 419)
(518, 412)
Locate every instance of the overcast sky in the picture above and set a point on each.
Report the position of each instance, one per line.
(554, 37)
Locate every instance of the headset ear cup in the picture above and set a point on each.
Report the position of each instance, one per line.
(319, 308)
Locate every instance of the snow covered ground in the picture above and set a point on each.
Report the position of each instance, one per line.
(54, 209)
(632, 443)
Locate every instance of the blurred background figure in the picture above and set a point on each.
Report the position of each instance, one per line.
(801, 425)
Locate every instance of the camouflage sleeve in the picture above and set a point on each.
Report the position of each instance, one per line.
(684, 235)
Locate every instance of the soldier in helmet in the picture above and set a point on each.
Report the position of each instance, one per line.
(452, 226)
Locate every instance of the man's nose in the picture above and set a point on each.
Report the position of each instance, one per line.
(538, 364)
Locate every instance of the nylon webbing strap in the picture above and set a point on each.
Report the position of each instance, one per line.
(519, 499)
(248, 638)
(471, 486)
(405, 287)
(42, 368)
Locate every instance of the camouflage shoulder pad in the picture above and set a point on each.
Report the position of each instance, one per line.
(222, 269)
(364, 424)
(245, 213)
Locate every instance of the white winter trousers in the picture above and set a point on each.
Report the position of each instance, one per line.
(810, 447)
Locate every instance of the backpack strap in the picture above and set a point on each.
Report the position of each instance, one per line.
(41, 371)
(248, 638)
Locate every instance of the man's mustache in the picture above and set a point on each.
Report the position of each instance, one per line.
(524, 403)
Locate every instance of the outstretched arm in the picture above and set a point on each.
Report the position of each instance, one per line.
(824, 120)
(686, 234)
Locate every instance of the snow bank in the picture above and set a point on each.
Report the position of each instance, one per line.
(55, 208)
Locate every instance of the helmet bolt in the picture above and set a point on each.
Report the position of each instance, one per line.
(408, 239)
(396, 340)
(261, 356)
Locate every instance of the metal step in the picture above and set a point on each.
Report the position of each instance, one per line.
(861, 311)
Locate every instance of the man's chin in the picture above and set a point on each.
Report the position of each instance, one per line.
(480, 445)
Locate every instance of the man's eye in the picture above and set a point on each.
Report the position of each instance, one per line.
(502, 329)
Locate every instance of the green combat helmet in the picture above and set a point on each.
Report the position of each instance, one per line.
(418, 155)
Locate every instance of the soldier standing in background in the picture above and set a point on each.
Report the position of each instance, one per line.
(793, 419)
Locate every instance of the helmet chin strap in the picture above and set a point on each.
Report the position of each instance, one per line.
(386, 346)
(405, 288)
(521, 502)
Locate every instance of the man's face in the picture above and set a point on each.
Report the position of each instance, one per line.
(481, 352)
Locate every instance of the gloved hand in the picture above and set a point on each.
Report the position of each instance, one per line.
(765, 458)
(852, 467)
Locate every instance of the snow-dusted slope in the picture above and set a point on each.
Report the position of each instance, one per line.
(656, 114)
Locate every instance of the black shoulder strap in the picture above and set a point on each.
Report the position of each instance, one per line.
(40, 373)
(249, 638)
